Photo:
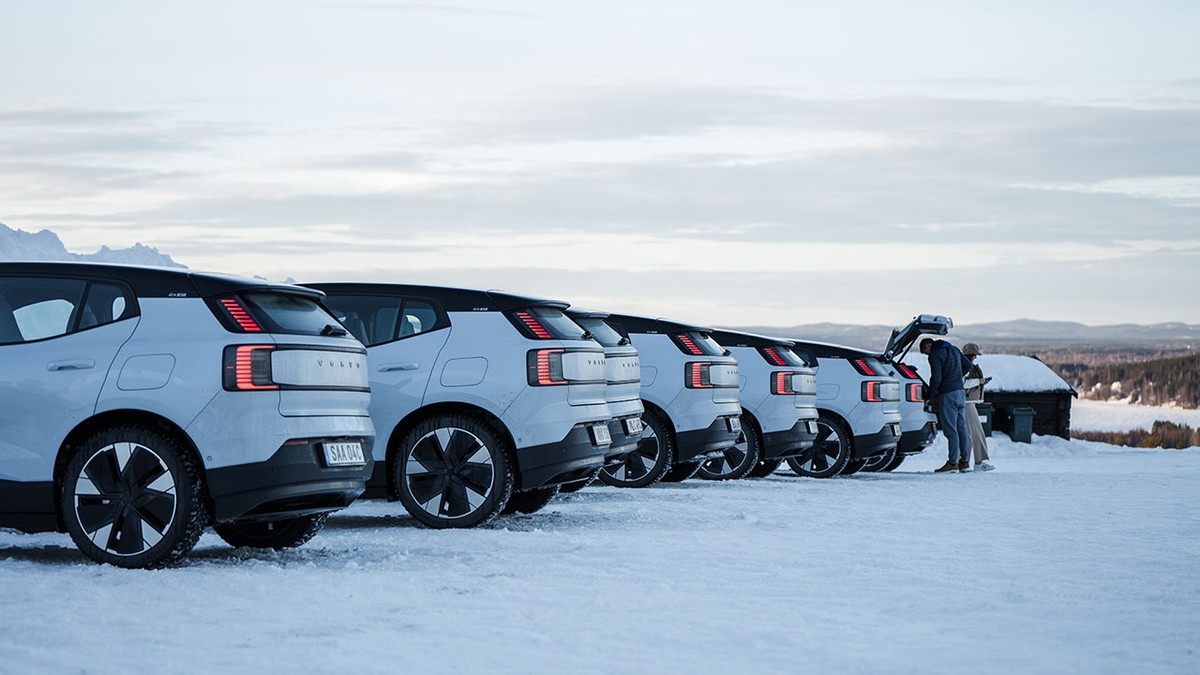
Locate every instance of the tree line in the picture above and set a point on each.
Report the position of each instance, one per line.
(1161, 435)
(1160, 382)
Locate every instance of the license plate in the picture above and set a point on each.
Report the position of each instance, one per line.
(735, 423)
(343, 454)
(896, 430)
(810, 426)
(600, 435)
(633, 426)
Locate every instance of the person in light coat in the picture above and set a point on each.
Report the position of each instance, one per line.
(973, 384)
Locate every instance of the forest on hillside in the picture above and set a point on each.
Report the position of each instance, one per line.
(1172, 381)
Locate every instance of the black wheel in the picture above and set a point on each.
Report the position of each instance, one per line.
(879, 463)
(681, 471)
(530, 501)
(646, 465)
(765, 468)
(131, 497)
(738, 461)
(577, 485)
(829, 453)
(895, 464)
(276, 534)
(852, 467)
(452, 471)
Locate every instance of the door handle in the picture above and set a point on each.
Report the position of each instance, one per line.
(71, 364)
(412, 365)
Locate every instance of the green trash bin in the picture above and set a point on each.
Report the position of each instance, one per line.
(986, 411)
(1022, 423)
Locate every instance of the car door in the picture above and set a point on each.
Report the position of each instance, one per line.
(58, 339)
(403, 336)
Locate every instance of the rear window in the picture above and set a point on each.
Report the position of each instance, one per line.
(868, 365)
(274, 312)
(779, 355)
(695, 343)
(545, 323)
(601, 331)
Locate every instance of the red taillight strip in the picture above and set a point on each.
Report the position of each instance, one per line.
(773, 356)
(695, 375)
(871, 392)
(688, 345)
(863, 367)
(908, 371)
(544, 376)
(916, 392)
(781, 383)
(239, 314)
(243, 368)
(534, 326)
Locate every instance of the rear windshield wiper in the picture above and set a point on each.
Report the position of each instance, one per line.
(331, 329)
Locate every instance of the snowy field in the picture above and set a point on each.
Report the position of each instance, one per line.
(1117, 416)
(1069, 557)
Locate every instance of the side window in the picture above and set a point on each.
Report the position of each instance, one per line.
(105, 303)
(370, 318)
(418, 317)
(37, 308)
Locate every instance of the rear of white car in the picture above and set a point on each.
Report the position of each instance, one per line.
(624, 378)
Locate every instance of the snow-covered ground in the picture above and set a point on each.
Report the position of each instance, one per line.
(1117, 416)
(1069, 557)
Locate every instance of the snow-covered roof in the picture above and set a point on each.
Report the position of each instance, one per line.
(1012, 373)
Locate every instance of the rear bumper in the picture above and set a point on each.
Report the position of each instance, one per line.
(870, 445)
(292, 482)
(572, 458)
(912, 442)
(692, 444)
(790, 442)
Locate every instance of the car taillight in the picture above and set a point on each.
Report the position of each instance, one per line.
(687, 345)
(872, 391)
(247, 368)
(916, 392)
(545, 367)
(240, 316)
(781, 383)
(908, 371)
(772, 356)
(533, 326)
(863, 367)
(698, 375)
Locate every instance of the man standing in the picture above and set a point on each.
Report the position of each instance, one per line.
(946, 368)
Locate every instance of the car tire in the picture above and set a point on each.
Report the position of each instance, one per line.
(649, 462)
(131, 497)
(682, 471)
(852, 467)
(273, 534)
(895, 463)
(452, 471)
(735, 462)
(878, 463)
(577, 485)
(765, 467)
(830, 451)
(530, 501)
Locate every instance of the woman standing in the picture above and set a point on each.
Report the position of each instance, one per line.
(973, 384)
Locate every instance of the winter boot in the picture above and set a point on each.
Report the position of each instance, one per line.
(947, 467)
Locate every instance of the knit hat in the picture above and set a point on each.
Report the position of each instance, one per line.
(970, 349)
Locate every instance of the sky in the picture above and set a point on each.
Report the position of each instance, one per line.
(749, 163)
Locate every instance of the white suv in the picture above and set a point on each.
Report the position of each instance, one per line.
(859, 404)
(689, 387)
(779, 407)
(488, 401)
(139, 405)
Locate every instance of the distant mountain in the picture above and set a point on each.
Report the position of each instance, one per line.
(45, 246)
(1018, 330)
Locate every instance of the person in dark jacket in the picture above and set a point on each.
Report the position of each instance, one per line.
(946, 368)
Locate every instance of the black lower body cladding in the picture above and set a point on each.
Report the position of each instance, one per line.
(869, 445)
(293, 482)
(912, 442)
(572, 458)
(789, 442)
(693, 444)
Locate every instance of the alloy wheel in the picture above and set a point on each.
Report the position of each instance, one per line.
(449, 472)
(125, 498)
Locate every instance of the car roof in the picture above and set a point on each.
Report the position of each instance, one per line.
(734, 338)
(155, 282)
(452, 299)
(645, 324)
(830, 350)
